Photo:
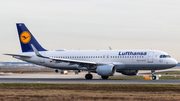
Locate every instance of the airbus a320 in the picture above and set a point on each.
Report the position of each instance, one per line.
(103, 62)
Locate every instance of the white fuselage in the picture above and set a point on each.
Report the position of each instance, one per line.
(122, 59)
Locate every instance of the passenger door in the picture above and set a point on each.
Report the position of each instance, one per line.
(150, 57)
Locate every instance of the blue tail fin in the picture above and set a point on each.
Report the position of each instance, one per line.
(26, 39)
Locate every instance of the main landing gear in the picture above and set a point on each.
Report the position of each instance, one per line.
(153, 75)
(89, 76)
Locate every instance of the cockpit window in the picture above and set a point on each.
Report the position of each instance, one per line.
(165, 56)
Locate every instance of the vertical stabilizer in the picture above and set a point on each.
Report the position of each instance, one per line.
(26, 39)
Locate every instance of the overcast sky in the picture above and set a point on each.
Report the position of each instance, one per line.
(92, 24)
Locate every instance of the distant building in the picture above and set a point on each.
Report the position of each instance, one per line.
(16, 64)
(1, 63)
(178, 65)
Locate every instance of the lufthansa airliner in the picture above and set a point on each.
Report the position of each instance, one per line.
(103, 62)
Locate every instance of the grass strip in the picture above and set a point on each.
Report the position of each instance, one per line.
(77, 86)
(88, 92)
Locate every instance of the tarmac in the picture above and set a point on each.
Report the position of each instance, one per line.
(84, 81)
(71, 78)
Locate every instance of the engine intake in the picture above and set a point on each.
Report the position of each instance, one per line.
(106, 70)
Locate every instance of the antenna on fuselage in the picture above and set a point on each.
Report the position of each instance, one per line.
(110, 48)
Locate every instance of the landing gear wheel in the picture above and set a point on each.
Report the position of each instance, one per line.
(89, 76)
(153, 77)
(104, 77)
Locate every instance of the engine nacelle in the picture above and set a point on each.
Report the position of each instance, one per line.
(56, 70)
(106, 70)
(129, 72)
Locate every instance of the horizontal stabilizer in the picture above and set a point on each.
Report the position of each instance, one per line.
(26, 56)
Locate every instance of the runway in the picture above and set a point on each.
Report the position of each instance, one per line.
(84, 81)
(73, 79)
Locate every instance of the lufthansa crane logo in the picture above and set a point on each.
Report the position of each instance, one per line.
(25, 37)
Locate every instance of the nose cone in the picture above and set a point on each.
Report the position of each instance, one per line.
(174, 62)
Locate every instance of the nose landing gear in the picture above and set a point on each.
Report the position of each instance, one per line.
(153, 75)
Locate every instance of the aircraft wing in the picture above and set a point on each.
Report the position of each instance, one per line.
(74, 61)
(26, 56)
(60, 59)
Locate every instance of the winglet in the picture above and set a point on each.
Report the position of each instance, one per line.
(36, 51)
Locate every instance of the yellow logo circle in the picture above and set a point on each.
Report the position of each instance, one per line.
(25, 37)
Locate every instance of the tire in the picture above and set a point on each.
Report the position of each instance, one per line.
(89, 76)
(104, 77)
(153, 77)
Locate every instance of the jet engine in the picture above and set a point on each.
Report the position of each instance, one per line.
(129, 72)
(106, 70)
(56, 70)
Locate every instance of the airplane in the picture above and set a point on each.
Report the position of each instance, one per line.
(103, 62)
